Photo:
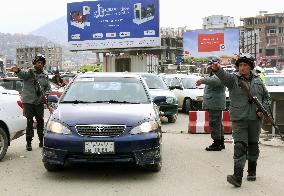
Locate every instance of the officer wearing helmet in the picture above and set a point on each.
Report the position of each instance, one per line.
(35, 82)
(245, 117)
(214, 101)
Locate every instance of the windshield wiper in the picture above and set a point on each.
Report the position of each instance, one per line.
(127, 102)
(75, 101)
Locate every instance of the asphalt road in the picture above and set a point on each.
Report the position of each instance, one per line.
(187, 170)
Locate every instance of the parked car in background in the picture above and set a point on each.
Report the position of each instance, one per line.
(12, 121)
(157, 87)
(107, 117)
(12, 83)
(274, 82)
(56, 90)
(67, 77)
(269, 70)
(190, 96)
(15, 83)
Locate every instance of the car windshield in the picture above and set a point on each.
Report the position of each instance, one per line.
(274, 81)
(106, 89)
(189, 83)
(167, 81)
(155, 82)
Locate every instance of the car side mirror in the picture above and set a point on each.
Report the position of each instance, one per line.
(159, 99)
(52, 99)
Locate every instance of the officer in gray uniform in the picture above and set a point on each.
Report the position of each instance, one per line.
(214, 101)
(36, 85)
(246, 118)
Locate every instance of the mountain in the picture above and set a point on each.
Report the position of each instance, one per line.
(56, 31)
(10, 42)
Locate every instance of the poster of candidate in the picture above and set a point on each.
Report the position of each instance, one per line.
(107, 24)
(204, 43)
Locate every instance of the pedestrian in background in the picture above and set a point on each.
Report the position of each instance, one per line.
(36, 85)
(214, 101)
(245, 116)
(56, 79)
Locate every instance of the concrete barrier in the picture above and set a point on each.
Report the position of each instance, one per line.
(199, 122)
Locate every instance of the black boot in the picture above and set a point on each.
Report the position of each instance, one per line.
(40, 138)
(236, 178)
(215, 146)
(251, 171)
(40, 144)
(29, 146)
(222, 145)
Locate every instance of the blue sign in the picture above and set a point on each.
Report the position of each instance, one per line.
(113, 24)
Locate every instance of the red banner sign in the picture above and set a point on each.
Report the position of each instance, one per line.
(210, 42)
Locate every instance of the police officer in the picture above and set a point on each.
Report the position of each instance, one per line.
(36, 85)
(246, 118)
(214, 101)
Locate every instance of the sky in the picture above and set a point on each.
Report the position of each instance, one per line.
(24, 16)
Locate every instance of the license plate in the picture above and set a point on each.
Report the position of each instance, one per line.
(99, 148)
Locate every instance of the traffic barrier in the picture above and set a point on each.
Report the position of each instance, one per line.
(199, 122)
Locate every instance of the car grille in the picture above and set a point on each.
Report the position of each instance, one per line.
(100, 130)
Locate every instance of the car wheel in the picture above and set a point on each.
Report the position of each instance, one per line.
(187, 105)
(172, 118)
(156, 167)
(3, 143)
(53, 167)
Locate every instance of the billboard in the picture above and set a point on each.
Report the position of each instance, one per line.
(204, 43)
(106, 24)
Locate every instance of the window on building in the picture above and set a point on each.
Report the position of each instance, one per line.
(260, 50)
(280, 29)
(271, 31)
(281, 40)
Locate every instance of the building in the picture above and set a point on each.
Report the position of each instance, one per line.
(147, 59)
(53, 56)
(271, 36)
(218, 22)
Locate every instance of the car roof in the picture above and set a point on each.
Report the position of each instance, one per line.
(274, 75)
(181, 76)
(109, 74)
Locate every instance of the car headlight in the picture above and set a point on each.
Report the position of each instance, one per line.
(57, 127)
(199, 98)
(145, 127)
(170, 100)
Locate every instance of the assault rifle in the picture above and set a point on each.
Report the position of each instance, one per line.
(39, 91)
(259, 106)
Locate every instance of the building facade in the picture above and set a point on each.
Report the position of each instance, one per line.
(53, 56)
(152, 60)
(218, 22)
(271, 36)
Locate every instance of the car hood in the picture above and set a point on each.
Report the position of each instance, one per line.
(126, 114)
(161, 92)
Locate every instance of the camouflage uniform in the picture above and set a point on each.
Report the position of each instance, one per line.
(246, 124)
(214, 101)
(32, 103)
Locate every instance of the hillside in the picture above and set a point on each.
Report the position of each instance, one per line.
(56, 31)
(9, 43)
